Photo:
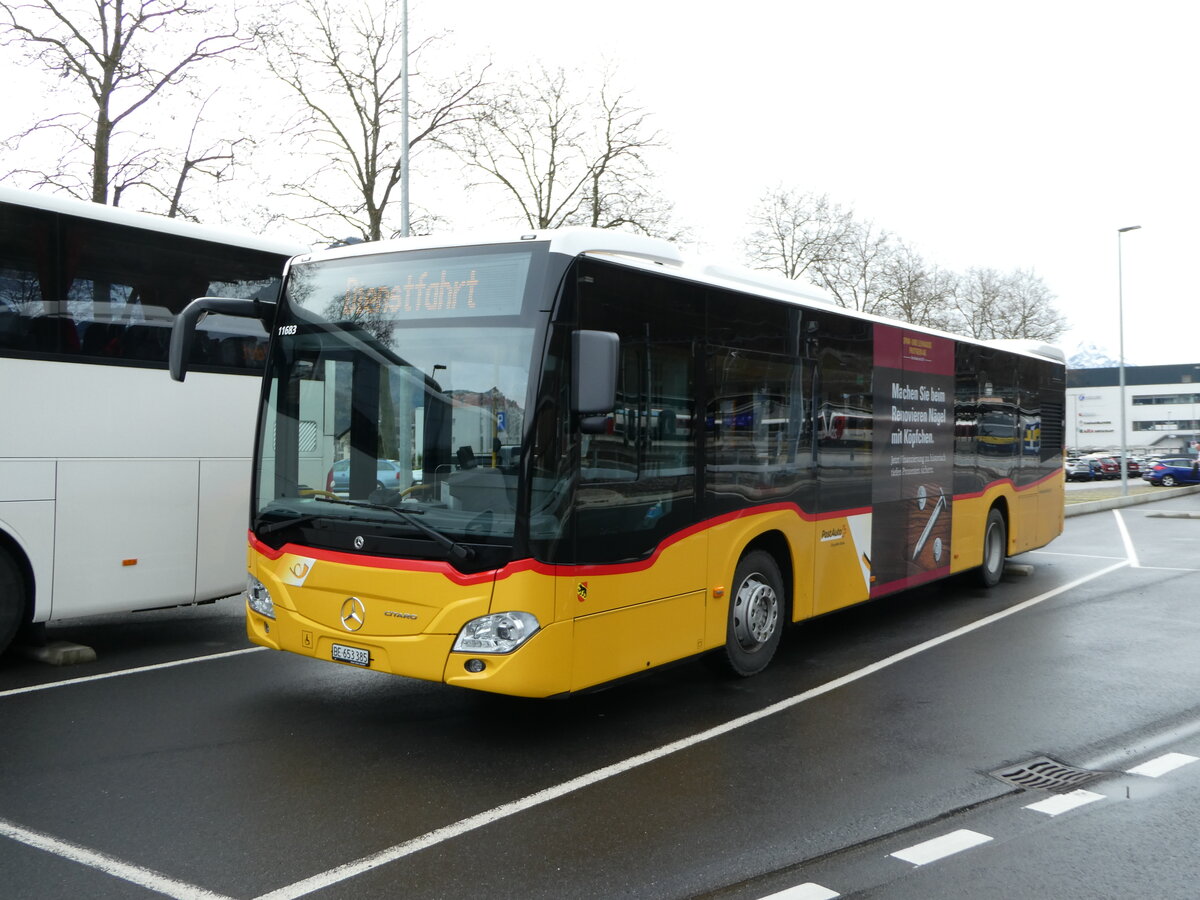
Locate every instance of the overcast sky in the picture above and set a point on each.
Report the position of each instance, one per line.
(1002, 135)
(1013, 135)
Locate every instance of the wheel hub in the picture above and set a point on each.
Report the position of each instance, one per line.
(756, 613)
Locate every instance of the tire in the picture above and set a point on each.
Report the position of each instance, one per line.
(995, 549)
(1168, 481)
(756, 614)
(12, 599)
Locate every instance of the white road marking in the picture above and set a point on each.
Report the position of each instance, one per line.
(1162, 765)
(1075, 555)
(1061, 803)
(119, 673)
(145, 878)
(941, 847)
(1129, 551)
(351, 869)
(809, 891)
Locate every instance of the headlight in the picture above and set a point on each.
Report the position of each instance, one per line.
(497, 633)
(259, 597)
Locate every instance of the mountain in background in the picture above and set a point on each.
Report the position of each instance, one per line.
(1089, 356)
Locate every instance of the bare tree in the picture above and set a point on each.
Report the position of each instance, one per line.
(977, 297)
(856, 273)
(793, 231)
(212, 157)
(918, 293)
(344, 68)
(1030, 312)
(124, 55)
(870, 270)
(990, 304)
(562, 156)
(806, 235)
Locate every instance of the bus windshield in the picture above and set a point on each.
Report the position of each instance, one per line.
(396, 401)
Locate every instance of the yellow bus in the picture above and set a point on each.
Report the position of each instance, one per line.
(540, 463)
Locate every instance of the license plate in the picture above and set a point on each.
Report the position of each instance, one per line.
(354, 655)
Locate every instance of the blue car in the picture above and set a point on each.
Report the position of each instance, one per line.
(1168, 472)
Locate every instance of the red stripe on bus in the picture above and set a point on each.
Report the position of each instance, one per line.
(592, 569)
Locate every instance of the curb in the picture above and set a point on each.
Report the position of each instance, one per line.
(1091, 506)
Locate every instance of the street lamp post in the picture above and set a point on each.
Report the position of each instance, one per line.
(404, 222)
(1121, 359)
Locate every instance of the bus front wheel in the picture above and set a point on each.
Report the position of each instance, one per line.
(756, 611)
(995, 547)
(12, 598)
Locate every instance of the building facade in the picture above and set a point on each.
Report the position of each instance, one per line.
(1162, 410)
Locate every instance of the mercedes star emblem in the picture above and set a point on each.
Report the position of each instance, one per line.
(353, 614)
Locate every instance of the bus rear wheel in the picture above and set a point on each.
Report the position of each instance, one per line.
(12, 599)
(756, 609)
(995, 547)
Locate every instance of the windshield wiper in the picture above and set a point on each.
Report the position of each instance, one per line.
(287, 523)
(455, 549)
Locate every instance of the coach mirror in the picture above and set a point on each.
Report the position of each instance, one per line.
(594, 378)
(183, 331)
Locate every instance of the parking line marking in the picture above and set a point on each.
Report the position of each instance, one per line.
(808, 891)
(1061, 803)
(941, 847)
(349, 870)
(151, 668)
(1075, 555)
(1161, 765)
(109, 865)
(1129, 551)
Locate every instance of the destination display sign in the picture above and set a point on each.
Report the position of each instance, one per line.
(402, 288)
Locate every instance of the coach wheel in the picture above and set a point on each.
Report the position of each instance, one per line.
(1168, 481)
(755, 614)
(12, 599)
(995, 545)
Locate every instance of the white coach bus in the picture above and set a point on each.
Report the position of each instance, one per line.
(118, 489)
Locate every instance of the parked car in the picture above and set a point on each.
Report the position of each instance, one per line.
(1109, 467)
(1079, 470)
(1133, 468)
(388, 473)
(1168, 472)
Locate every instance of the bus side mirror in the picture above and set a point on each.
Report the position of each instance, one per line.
(183, 331)
(594, 377)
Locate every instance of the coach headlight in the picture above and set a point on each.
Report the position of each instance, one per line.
(259, 597)
(497, 633)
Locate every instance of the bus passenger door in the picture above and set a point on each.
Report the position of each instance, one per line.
(843, 436)
(638, 595)
(759, 463)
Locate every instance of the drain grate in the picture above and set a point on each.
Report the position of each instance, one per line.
(1045, 774)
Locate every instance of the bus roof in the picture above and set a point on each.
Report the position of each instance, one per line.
(160, 224)
(651, 253)
(657, 254)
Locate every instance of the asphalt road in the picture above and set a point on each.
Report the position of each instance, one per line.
(860, 764)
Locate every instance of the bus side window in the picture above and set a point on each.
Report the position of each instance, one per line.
(759, 434)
